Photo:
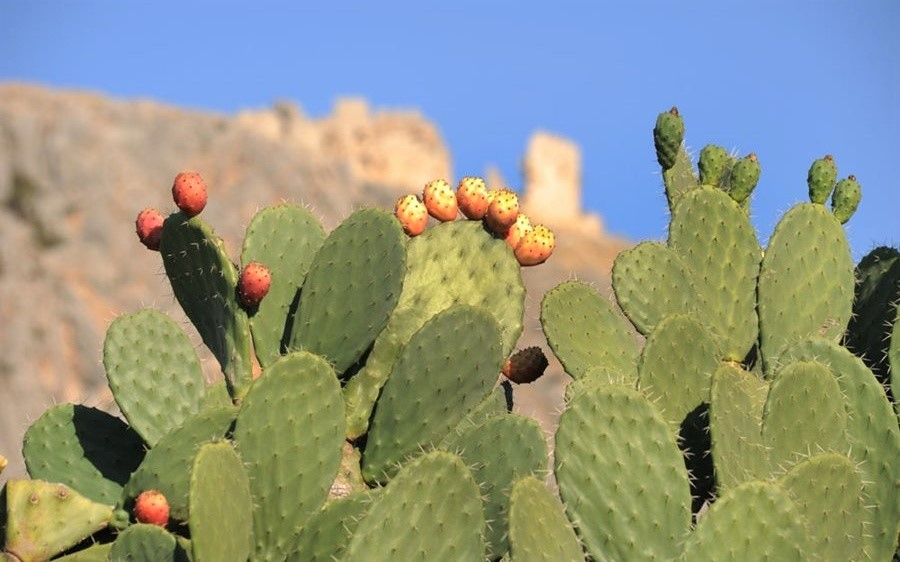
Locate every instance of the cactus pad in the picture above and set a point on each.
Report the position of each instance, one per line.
(84, 448)
(153, 372)
(606, 480)
(43, 519)
(430, 511)
(326, 535)
(584, 330)
(284, 238)
(651, 281)
(538, 528)
(351, 289)
(715, 239)
(147, 543)
(446, 370)
(754, 521)
(289, 434)
(220, 506)
(205, 283)
(806, 281)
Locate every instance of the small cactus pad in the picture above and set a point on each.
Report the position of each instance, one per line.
(584, 330)
(845, 199)
(754, 521)
(289, 434)
(96, 553)
(84, 448)
(677, 365)
(326, 534)
(668, 134)
(804, 414)
(806, 281)
(874, 439)
(167, 466)
(713, 164)
(153, 372)
(220, 506)
(284, 238)
(446, 266)
(205, 283)
(147, 543)
(737, 399)
(538, 528)
(43, 519)
(715, 239)
(651, 281)
(820, 179)
(827, 489)
(680, 178)
(430, 511)
(605, 479)
(875, 312)
(351, 289)
(446, 370)
(499, 451)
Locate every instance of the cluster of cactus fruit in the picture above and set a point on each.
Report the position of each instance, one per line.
(714, 413)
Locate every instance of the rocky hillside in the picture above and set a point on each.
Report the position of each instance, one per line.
(75, 169)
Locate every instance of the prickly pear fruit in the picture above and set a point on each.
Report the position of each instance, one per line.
(412, 214)
(518, 230)
(440, 201)
(3, 463)
(148, 226)
(536, 246)
(821, 177)
(502, 212)
(472, 198)
(152, 508)
(525, 366)
(254, 283)
(845, 199)
(189, 193)
(713, 164)
(744, 177)
(668, 136)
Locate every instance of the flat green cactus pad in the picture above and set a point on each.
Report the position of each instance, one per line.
(538, 528)
(147, 543)
(326, 535)
(84, 448)
(153, 371)
(612, 448)
(413, 519)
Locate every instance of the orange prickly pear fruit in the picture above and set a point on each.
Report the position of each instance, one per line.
(518, 230)
(440, 201)
(472, 198)
(502, 211)
(536, 246)
(412, 214)
(189, 193)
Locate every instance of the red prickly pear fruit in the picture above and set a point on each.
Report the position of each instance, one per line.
(149, 225)
(189, 193)
(152, 508)
(440, 201)
(412, 214)
(525, 366)
(472, 198)
(502, 211)
(254, 283)
(536, 246)
(518, 230)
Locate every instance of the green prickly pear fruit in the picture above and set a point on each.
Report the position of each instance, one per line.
(713, 164)
(845, 198)
(744, 176)
(821, 177)
(668, 136)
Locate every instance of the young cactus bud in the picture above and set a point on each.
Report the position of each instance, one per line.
(821, 177)
(744, 177)
(846, 197)
(713, 165)
(525, 366)
(668, 136)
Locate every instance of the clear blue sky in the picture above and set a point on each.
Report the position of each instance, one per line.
(790, 81)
